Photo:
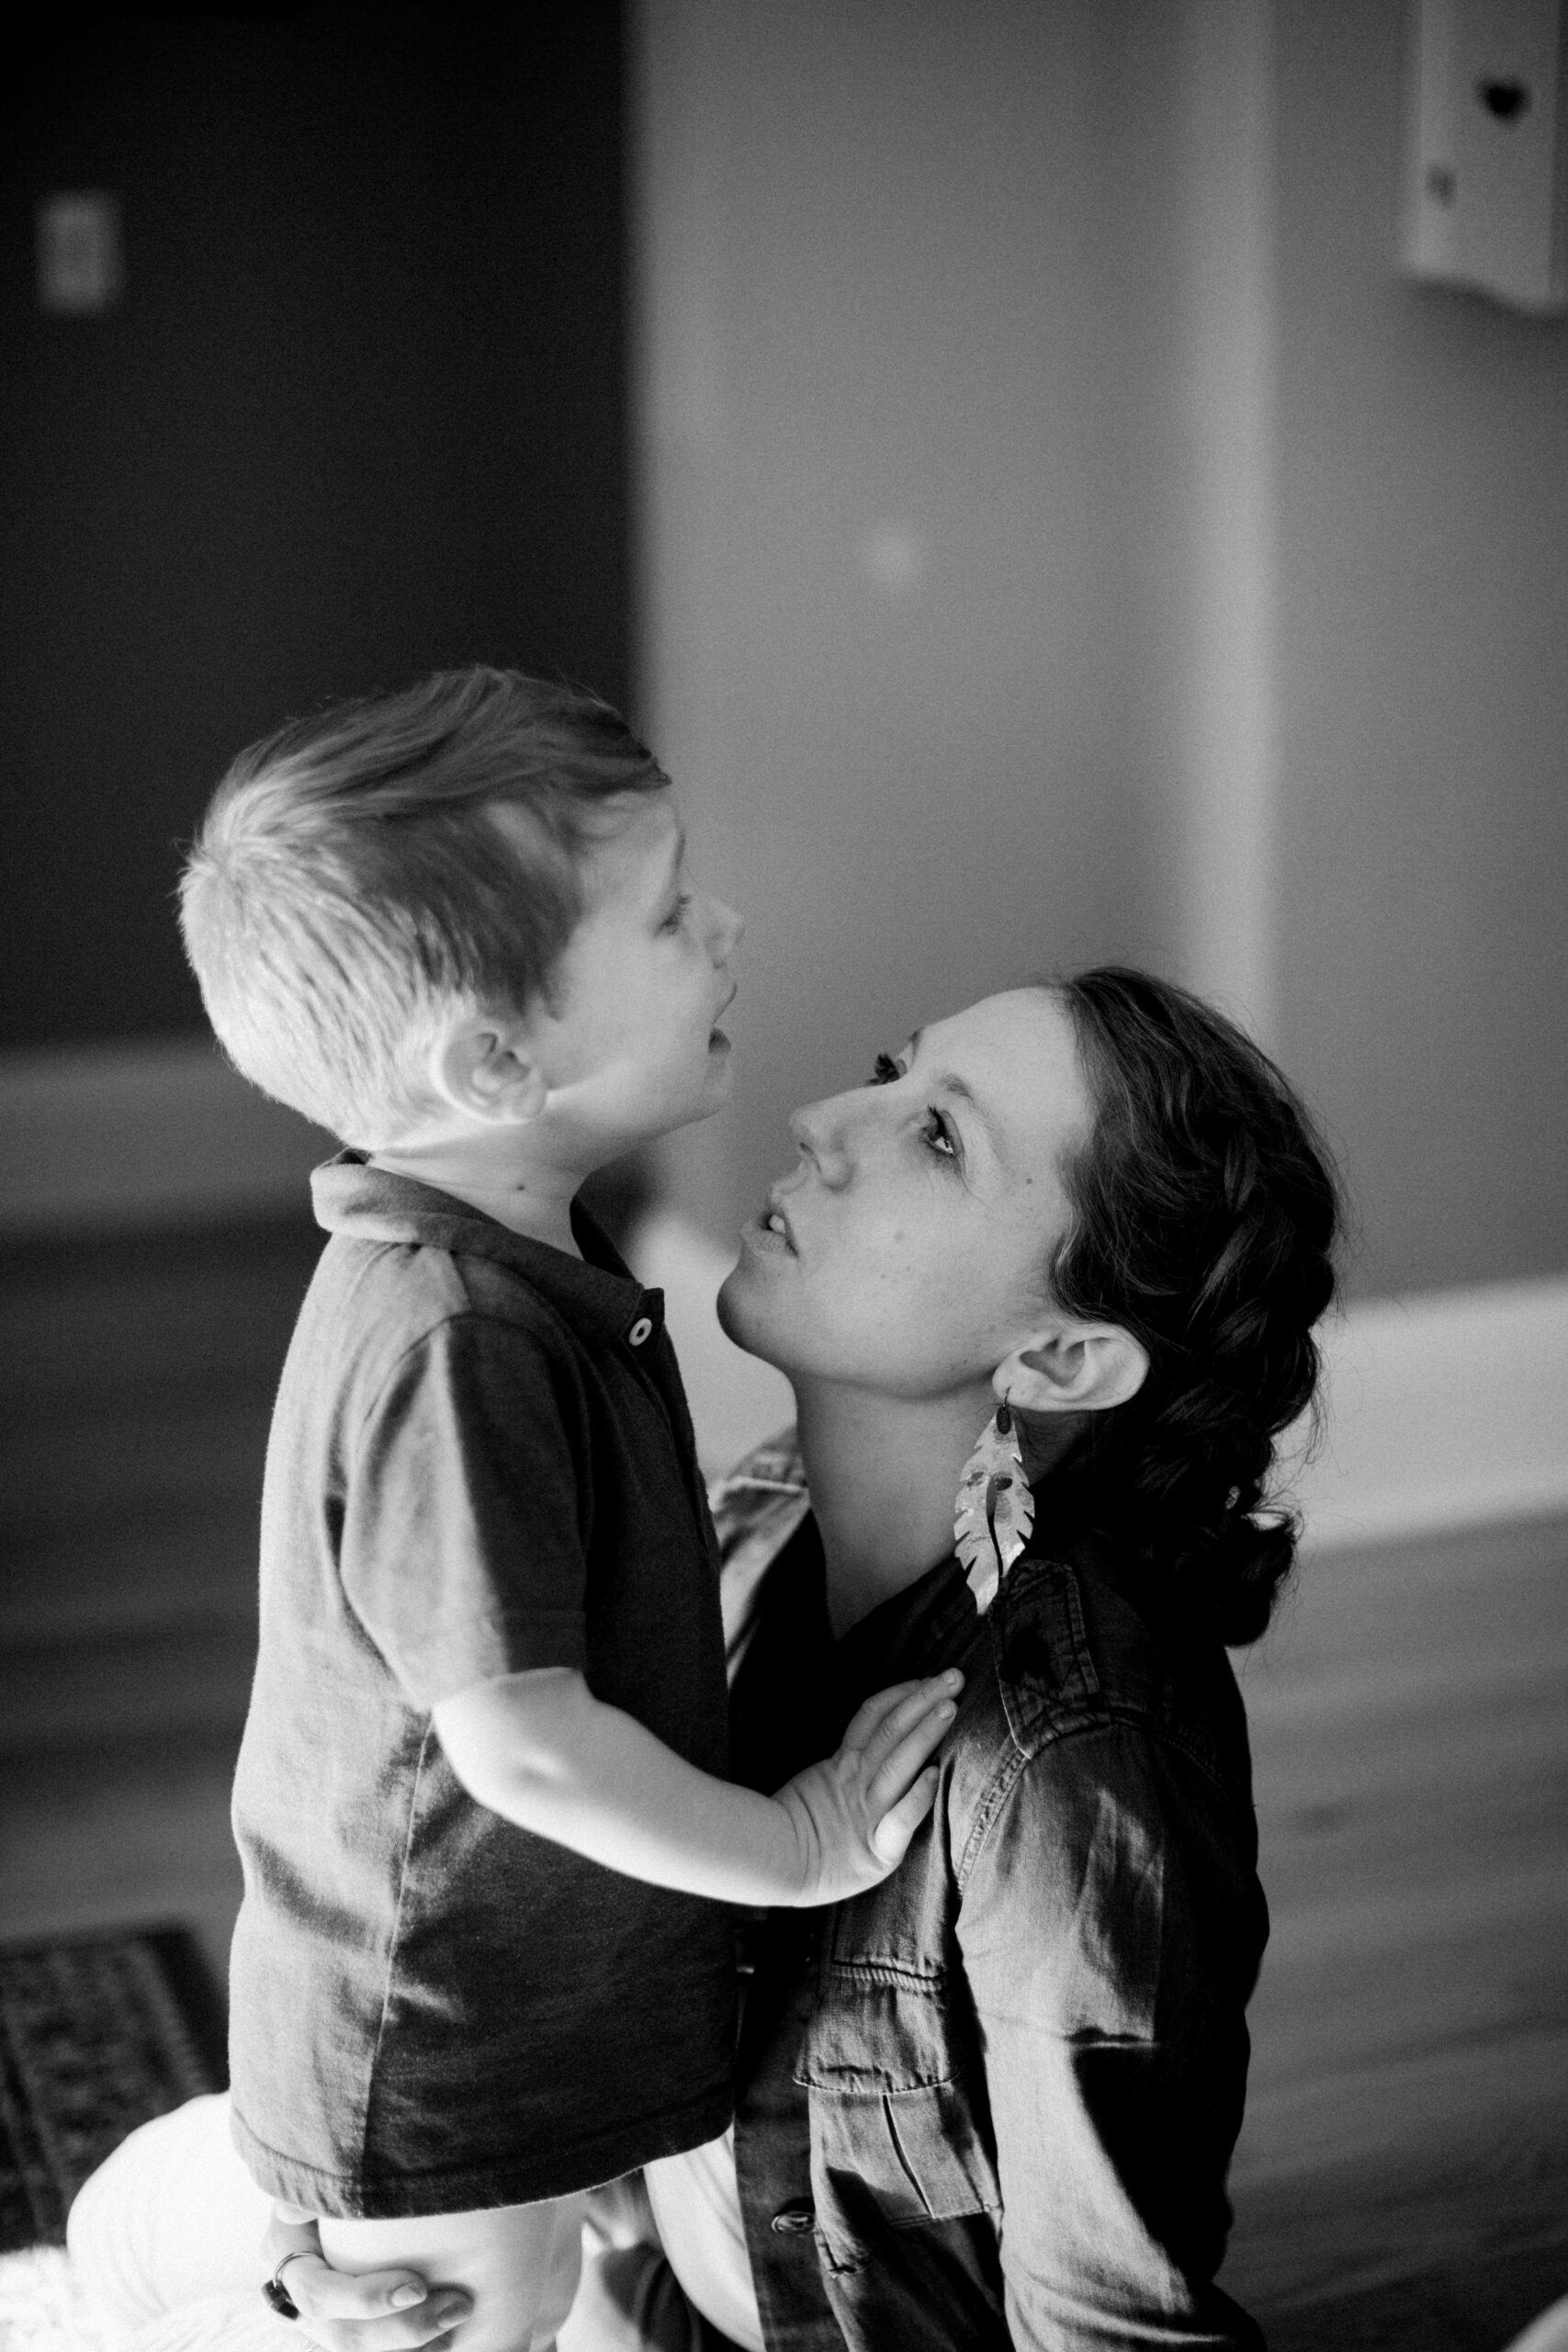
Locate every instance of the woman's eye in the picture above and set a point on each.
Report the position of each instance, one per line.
(673, 921)
(935, 1132)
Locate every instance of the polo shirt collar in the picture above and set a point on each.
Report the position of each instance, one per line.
(595, 1293)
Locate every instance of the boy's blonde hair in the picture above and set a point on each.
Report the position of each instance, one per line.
(349, 883)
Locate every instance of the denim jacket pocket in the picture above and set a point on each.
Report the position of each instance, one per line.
(900, 2133)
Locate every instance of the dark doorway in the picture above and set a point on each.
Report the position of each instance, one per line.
(358, 412)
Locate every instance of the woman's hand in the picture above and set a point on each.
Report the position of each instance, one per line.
(855, 1815)
(379, 2311)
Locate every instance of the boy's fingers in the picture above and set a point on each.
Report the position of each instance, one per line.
(925, 1714)
(871, 1712)
(899, 1769)
(890, 1838)
(886, 1715)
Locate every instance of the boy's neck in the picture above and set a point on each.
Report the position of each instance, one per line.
(528, 1197)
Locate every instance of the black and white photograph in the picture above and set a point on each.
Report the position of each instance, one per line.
(783, 1177)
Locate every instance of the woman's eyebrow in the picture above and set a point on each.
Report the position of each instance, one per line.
(949, 1082)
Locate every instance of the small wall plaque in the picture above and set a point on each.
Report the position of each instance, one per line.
(1484, 171)
(81, 269)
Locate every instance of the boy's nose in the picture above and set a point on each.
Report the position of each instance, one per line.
(726, 931)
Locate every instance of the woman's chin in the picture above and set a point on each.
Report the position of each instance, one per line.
(742, 1306)
(731, 1306)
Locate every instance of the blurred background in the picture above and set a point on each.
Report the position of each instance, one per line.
(996, 455)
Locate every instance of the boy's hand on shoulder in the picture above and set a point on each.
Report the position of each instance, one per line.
(854, 1814)
(539, 1749)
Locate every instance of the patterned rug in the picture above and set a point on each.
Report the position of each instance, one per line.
(96, 2037)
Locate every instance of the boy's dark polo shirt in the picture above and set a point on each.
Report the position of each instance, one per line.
(480, 1461)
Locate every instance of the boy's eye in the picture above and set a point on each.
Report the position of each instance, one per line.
(673, 919)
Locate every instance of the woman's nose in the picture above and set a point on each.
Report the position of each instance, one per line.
(818, 1137)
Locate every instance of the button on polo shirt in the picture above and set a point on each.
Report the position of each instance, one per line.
(480, 1463)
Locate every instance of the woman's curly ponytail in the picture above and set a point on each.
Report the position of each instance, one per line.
(1204, 1215)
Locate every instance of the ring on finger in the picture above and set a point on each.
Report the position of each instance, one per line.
(278, 2295)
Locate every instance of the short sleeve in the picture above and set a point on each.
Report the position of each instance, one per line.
(462, 1551)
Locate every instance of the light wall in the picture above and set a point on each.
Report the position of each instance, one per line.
(893, 371)
(1423, 695)
(1066, 535)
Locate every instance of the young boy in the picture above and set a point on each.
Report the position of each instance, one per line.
(481, 1963)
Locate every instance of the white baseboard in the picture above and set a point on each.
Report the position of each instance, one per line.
(112, 1137)
(1444, 1409)
(1448, 1408)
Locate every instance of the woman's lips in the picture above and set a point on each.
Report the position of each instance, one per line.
(769, 1230)
(776, 1216)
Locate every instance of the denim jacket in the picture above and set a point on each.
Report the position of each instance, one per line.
(991, 2103)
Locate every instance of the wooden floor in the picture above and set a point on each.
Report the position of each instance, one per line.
(136, 1382)
(1408, 2116)
(1403, 2179)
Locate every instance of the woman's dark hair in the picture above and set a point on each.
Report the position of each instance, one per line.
(1204, 1214)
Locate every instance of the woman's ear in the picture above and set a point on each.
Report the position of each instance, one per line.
(1071, 1367)
(481, 1066)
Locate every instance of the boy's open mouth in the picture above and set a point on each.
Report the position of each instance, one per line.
(715, 1035)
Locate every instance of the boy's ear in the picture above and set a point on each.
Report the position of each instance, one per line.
(482, 1066)
(1071, 1367)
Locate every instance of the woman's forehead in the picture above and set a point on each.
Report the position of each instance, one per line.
(1020, 1039)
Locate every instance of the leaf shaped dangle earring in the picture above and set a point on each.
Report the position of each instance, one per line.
(994, 1511)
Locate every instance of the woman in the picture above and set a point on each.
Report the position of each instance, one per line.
(992, 2102)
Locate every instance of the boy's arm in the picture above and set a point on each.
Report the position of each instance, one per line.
(540, 1749)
